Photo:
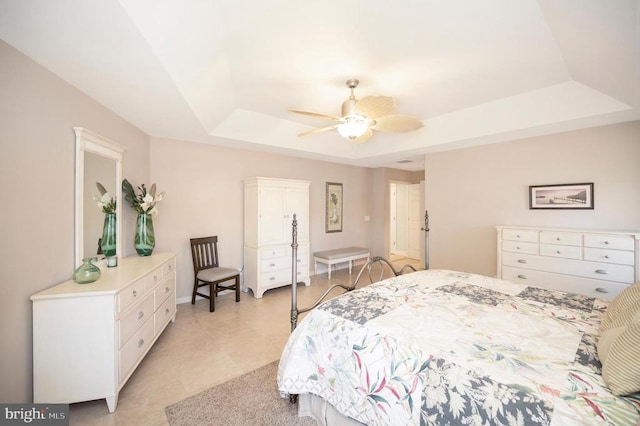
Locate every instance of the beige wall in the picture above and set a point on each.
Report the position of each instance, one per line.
(204, 196)
(37, 113)
(470, 191)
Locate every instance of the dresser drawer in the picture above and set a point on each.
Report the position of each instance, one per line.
(587, 287)
(164, 313)
(273, 278)
(563, 238)
(609, 242)
(164, 290)
(520, 235)
(275, 263)
(153, 279)
(621, 257)
(595, 270)
(282, 276)
(130, 295)
(168, 268)
(135, 348)
(520, 247)
(555, 250)
(132, 321)
(303, 250)
(284, 262)
(271, 252)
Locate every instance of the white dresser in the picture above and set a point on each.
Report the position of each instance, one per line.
(89, 338)
(269, 206)
(593, 263)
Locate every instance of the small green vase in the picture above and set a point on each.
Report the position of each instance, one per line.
(87, 272)
(145, 239)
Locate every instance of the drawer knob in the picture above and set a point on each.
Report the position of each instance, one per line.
(272, 278)
(517, 247)
(522, 276)
(522, 260)
(558, 251)
(155, 278)
(166, 289)
(606, 256)
(602, 290)
(135, 293)
(170, 267)
(140, 342)
(517, 235)
(557, 238)
(601, 271)
(140, 315)
(272, 264)
(166, 311)
(606, 242)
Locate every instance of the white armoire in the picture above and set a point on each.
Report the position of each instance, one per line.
(269, 206)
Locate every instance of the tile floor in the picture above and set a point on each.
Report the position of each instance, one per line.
(202, 349)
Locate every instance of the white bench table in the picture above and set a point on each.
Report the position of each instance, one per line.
(333, 257)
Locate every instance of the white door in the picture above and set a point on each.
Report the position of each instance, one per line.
(402, 220)
(392, 218)
(416, 219)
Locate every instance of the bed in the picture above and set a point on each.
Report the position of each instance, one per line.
(439, 347)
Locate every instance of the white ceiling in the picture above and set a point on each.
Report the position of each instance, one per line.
(226, 72)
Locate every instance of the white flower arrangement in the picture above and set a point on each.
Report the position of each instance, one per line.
(145, 202)
(105, 202)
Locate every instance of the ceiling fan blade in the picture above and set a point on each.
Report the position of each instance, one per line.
(315, 114)
(375, 106)
(320, 130)
(366, 135)
(397, 123)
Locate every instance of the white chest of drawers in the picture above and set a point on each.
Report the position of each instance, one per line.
(269, 206)
(89, 338)
(593, 263)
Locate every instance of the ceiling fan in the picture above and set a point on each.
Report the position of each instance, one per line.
(360, 117)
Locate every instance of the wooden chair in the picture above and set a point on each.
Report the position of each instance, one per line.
(207, 271)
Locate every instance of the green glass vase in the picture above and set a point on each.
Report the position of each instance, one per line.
(108, 242)
(145, 239)
(87, 272)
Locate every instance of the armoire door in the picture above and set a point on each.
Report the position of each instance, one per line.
(272, 212)
(298, 204)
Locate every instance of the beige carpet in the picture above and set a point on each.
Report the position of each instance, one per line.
(251, 399)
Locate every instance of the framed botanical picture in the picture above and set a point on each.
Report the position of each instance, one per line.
(333, 214)
(563, 196)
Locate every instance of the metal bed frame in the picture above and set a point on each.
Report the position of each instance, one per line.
(376, 261)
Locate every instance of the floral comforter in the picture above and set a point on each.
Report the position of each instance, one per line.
(441, 347)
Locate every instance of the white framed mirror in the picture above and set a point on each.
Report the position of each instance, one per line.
(98, 159)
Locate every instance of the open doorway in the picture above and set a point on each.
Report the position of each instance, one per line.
(406, 214)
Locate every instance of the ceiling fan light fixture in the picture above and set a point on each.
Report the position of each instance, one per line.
(354, 126)
(360, 118)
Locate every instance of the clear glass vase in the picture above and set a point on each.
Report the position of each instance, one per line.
(108, 242)
(145, 239)
(87, 272)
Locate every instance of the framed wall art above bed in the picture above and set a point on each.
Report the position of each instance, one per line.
(575, 196)
(333, 214)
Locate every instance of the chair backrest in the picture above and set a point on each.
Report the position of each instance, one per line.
(204, 252)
